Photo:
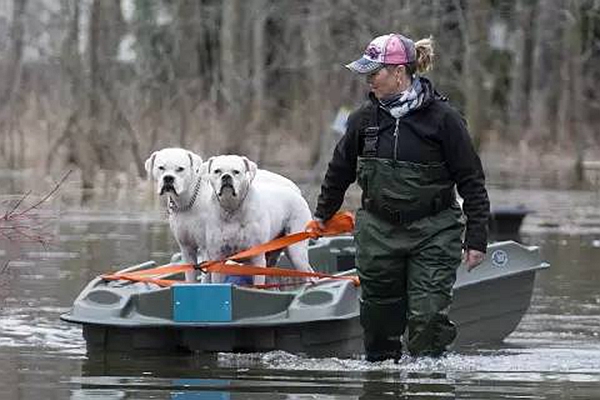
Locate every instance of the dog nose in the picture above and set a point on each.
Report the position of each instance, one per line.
(226, 178)
(169, 179)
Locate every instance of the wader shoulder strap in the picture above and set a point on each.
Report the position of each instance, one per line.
(371, 133)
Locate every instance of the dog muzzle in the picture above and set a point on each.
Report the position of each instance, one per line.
(227, 183)
(168, 185)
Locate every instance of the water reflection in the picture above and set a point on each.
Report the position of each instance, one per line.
(412, 386)
(499, 373)
(163, 366)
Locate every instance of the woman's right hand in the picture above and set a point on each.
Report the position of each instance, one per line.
(472, 258)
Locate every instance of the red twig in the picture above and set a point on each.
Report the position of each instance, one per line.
(27, 225)
(7, 214)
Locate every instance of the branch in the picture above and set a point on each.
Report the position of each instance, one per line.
(48, 195)
(27, 225)
(21, 200)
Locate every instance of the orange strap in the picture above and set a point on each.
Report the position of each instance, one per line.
(340, 223)
(149, 275)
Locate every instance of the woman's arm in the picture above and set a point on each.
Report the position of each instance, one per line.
(466, 170)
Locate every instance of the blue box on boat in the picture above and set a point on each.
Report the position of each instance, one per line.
(202, 303)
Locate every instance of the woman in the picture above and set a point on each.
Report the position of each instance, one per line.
(408, 150)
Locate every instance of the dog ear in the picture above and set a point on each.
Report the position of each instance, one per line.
(250, 168)
(206, 166)
(195, 162)
(149, 164)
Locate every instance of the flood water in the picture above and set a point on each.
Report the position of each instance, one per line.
(553, 354)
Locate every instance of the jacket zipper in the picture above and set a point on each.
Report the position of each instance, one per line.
(396, 139)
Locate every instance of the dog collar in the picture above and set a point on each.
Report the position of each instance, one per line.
(173, 208)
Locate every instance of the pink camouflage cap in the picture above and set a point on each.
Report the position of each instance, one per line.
(392, 48)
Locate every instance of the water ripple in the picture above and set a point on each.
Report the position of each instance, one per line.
(567, 362)
(19, 329)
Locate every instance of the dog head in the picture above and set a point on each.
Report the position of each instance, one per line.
(230, 177)
(173, 169)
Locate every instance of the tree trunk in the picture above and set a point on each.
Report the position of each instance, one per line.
(259, 56)
(144, 30)
(15, 55)
(544, 71)
(259, 75)
(231, 93)
(187, 25)
(571, 103)
(320, 137)
(11, 148)
(519, 85)
(105, 32)
(476, 96)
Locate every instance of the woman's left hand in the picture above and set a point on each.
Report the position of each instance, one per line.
(473, 258)
(316, 225)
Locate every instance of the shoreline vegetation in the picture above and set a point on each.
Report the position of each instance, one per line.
(505, 168)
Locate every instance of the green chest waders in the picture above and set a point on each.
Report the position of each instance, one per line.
(408, 236)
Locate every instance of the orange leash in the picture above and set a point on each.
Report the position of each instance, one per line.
(341, 222)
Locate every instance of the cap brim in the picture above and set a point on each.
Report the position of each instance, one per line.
(364, 66)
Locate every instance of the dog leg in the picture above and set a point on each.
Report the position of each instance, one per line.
(259, 261)
(189, 255)
(298, 256)
(206, 277)
(298, 253)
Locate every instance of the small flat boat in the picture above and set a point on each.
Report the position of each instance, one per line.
(505, 221)
(319, 319)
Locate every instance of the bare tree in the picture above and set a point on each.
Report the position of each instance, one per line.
(13, 143)
(246, 76)
(261, 13)
(14, 63)
(519, 72)
(234, 72)
(545, 66)
(476, 22)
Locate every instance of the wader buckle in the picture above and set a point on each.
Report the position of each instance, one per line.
(371, 141)
(397, 216)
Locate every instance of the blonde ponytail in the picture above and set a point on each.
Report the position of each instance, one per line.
(425, 54)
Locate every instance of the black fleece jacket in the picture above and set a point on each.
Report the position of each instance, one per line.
(435, 132)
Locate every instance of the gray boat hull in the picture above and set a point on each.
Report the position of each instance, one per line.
(318, 320)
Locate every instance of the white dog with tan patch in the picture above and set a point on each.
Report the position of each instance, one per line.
(195, 213)
(246, 211)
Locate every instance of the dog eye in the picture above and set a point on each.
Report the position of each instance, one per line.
(236, 172)
(161, 168)
(217, 171)
(180, 169)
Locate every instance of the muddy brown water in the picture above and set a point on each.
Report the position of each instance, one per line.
(553, 354)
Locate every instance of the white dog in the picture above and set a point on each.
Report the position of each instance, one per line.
(177, 175)
(247, 211)
(192, 208)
